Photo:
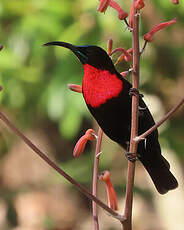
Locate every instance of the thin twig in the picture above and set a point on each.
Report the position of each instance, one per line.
(134, 125)
(95, 177)
(59, 170)
(144, 47)
(159, 123)
(128, 26)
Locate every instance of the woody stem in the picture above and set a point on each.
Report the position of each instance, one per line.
(134, 124)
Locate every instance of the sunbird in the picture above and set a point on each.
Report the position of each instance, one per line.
(107, 96)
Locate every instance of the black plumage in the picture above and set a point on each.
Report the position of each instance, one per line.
(112, 111)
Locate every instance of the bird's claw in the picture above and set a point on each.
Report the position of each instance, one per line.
(135, 92)
(131, 156)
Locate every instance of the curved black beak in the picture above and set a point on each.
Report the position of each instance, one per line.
(63, 44)
(79, 51)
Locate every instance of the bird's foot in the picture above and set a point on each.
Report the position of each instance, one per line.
(131, 156)
(135, 92)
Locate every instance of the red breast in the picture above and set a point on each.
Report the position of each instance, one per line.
(99, 86)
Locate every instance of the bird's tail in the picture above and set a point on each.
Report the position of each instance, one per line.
(159, 171)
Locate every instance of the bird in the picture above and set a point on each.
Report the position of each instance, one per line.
(108, 98)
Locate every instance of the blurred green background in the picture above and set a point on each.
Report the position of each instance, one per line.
(36, 98)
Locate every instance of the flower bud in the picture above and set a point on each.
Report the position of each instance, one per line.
(139, 4)
(109, 46)
(75, 88)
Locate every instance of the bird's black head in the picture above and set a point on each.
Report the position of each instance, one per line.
(92, 55)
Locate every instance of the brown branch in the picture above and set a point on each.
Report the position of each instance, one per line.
(59, 170)
(95, 177)
(159, 123)
(134, 125)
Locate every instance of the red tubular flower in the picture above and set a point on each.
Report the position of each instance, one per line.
(111, 194)
(175, 1)
(1, 47)
(149, 36)
(75, 88)
(131, 15)
(102, 7)
(121, 13)
(81, 143)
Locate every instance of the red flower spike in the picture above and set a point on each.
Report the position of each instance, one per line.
(175, 2)
(111, 194)
(81, 143)
(109, 46)
(102, 7)
(149, 36)
(127, 55)
(139, 4)
(75, 88)
(121, 13)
